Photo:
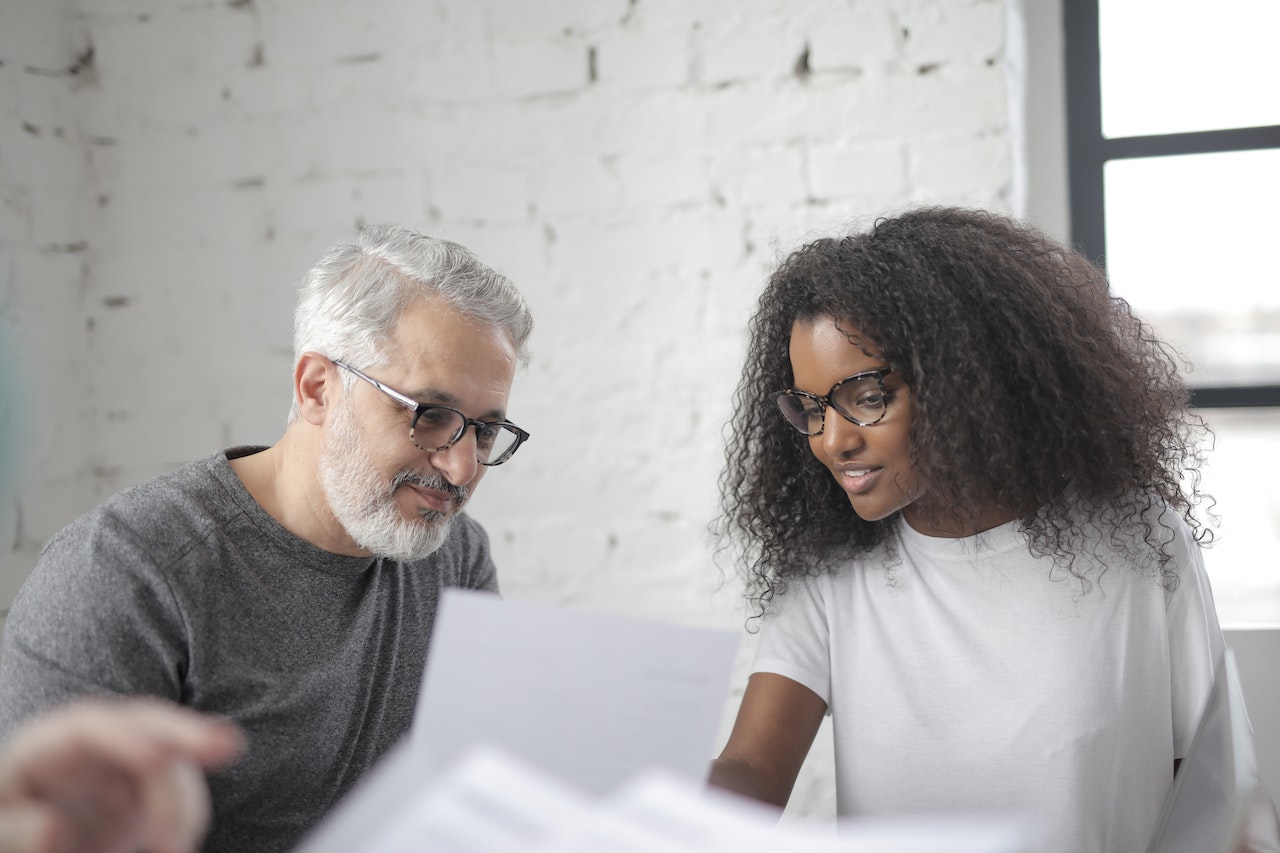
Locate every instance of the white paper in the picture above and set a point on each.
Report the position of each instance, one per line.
(589, 698)
(488, 804)
(541, 730)
(491, 802)
(712, 821)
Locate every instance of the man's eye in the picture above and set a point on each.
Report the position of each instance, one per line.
(487, 435)
(435, 417)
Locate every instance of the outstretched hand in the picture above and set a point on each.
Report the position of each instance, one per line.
(111, 776)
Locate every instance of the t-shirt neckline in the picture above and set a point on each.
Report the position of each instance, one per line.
(1001, 538)
(293, 547)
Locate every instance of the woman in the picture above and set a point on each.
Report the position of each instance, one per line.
(962, 476)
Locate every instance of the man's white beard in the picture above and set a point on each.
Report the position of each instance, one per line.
(366, 507)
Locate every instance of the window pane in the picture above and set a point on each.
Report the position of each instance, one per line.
(1171, 66)
(1190, 245)
(1243, 476)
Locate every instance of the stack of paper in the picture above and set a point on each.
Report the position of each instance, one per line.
(544, 730)
(490, 802)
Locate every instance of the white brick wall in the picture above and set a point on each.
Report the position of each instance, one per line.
(637, 165)
(47, 466)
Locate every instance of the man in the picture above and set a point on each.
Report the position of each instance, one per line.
(292, 589)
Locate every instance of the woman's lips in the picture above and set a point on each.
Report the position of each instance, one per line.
(857, 479)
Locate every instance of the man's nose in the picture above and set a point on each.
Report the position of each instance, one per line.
(457, 462)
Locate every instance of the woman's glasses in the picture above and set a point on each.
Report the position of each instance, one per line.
(860, 398)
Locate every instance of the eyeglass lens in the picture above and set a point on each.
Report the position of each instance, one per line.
(435, 428)
(860, 399)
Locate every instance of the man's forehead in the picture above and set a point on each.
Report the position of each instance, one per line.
(435, 316)
(441, 355)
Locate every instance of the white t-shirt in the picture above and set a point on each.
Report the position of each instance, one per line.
(970, 676)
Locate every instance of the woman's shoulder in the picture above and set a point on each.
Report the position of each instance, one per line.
(835, 565)
(1149, 518)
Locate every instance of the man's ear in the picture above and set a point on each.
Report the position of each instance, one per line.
(315, 387)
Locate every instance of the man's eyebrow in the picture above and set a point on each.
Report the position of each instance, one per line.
(434, 396)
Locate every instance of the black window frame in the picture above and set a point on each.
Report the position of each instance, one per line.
(1088, 152)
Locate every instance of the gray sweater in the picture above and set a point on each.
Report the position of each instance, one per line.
(185, 588)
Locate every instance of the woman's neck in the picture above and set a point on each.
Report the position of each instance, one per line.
(954, 523)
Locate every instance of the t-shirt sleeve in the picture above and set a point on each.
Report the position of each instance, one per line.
(1195, 638)
(795, 638)
(95, 617)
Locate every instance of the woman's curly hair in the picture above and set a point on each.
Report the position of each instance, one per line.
(1035, 391)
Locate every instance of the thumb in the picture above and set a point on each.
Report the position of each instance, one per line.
(28, 828)
(175, 809)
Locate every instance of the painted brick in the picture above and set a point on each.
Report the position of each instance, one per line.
(654, 125)
(508, 18)
(876, 174)
(515, 134)
(15, 215)
(476, 192)
(850, 39)
(570, 187)
(690, 240)
(326, 143)
(41, 103)
(347, 34)
(188, 42)
(915, 104)
(695, 14)
(966, 167)
(679, 180)
(552, 66)
(630, 60)
(453, 73)
(937, 28)
(36, 35)
(255, 92)
(748, 49)
(377, 83)
(741, 176)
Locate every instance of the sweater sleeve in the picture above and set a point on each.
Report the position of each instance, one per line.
(96, 616)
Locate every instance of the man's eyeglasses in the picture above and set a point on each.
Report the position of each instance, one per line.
(435, 428)
(860, 398)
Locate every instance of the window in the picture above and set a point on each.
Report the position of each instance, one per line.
(1173, 124)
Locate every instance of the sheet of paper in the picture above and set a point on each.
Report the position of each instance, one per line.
(712, 821)
(490, 802)
(486, 803)
(589, 698)
(543, 730)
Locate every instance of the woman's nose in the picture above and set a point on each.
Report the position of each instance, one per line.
(840, 436)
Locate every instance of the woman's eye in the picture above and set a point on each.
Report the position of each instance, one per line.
(872, 400)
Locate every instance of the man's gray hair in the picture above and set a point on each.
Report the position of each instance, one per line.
(350, 301)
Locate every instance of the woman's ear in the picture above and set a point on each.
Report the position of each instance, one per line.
(314, 382)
